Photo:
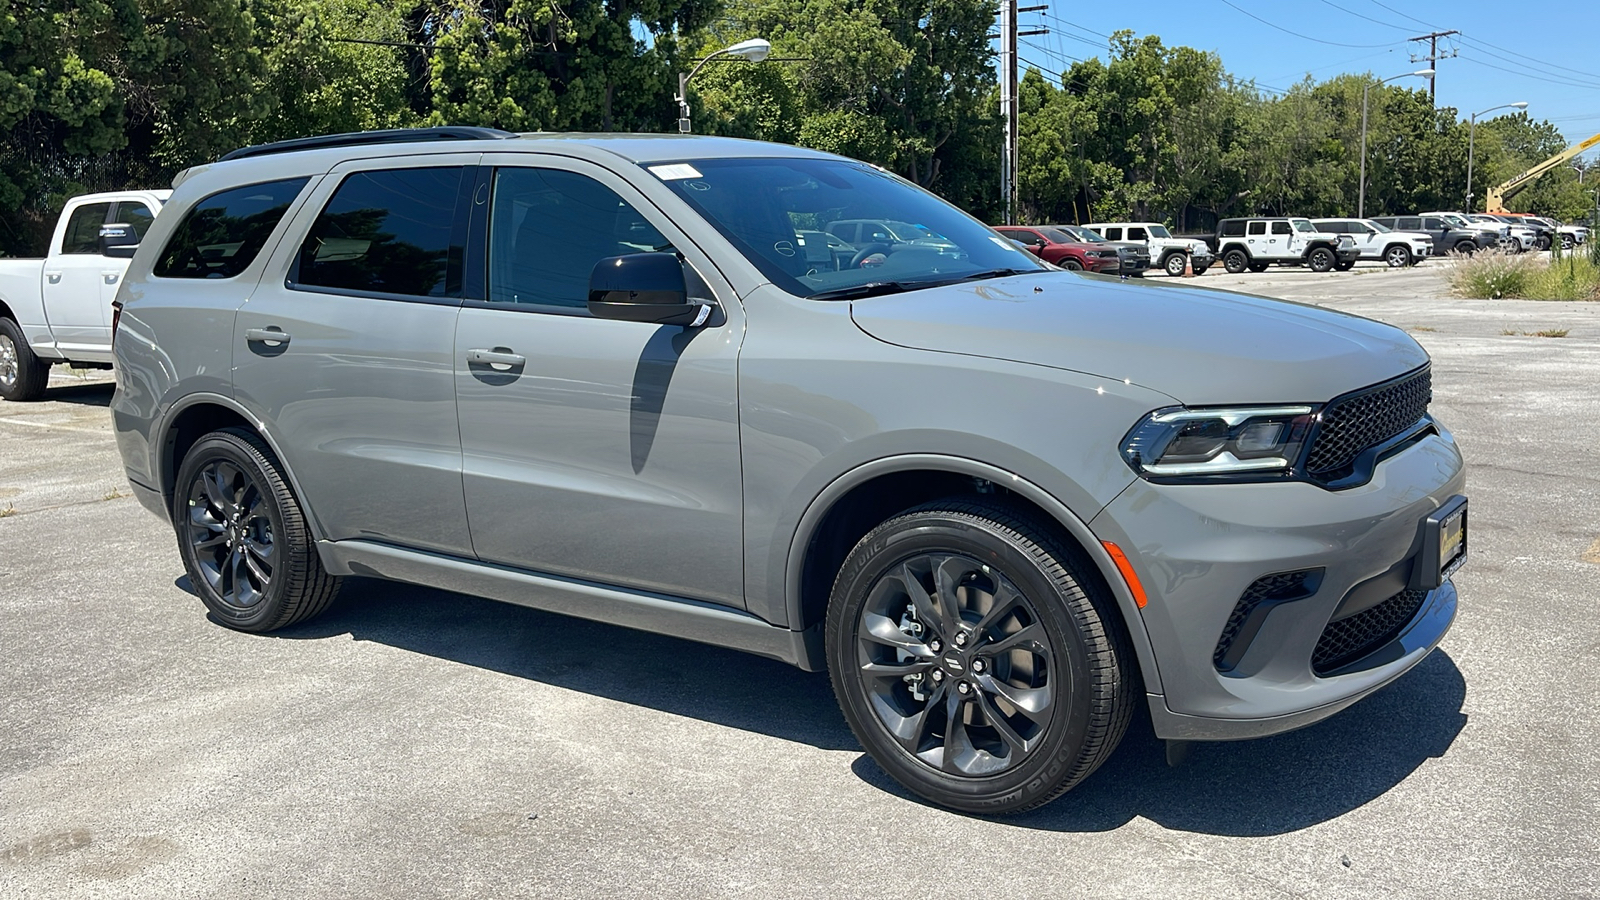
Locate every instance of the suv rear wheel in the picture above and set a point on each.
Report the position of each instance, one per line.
(23, 376)
(243, 538)
(976, 657)
(1321, 259)
(1236, 261)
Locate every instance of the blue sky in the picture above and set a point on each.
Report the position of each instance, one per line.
(1548, 59)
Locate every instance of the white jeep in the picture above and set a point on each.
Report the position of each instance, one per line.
(1166, 252)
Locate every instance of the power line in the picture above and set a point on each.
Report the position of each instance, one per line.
(1360, 16)
(1303, 36)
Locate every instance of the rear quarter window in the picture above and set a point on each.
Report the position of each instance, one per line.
(221, 235)
(1232, 228)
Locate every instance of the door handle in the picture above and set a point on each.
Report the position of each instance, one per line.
(272, 336)
(53, 277)
(500, 358)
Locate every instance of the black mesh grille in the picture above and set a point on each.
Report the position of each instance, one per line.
(1347, 640)
(1354, 423)
(1270, 589)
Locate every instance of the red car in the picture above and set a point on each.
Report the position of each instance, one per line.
(1058, 247)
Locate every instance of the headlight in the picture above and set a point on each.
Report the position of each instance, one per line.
(1201, 443)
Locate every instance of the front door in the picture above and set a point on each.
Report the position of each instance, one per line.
(75, 281)
(601, 450)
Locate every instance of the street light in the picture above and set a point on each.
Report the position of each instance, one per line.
(1361, 197)
(755, 50)
(1472, 132)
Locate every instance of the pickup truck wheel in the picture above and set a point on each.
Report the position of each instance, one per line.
(1466, 247)
(1542, 243)
(1398, 257)
(1235, 261)
(1174, 263)
(242, 536)
(23, 376)
(1072, 265)
(977, 658)
(1321, 259)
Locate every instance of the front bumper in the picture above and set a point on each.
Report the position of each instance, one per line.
(1198, 548)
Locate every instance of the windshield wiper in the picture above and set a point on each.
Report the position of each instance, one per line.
(992, 273)
(870, 289)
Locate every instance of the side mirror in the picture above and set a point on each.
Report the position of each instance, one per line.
(118, 241)
(644, 287)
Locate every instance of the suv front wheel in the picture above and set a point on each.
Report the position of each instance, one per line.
(1235, 261)
(1321, 259)
(977, 658)
(244, 541)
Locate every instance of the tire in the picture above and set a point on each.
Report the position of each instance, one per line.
(1321, 259)
(1259, 267)
(1542, 243)
(1235, 261)
(1466, 247)
(231, 500)
(1201, 270)
(1344, 266)
(1072, 265)
(1568, 242)
(1174, 263)
(1398, 256)
(23, 376)
(1073, 662)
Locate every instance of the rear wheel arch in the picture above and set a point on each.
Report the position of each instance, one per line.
(860, 500)
(199, 416)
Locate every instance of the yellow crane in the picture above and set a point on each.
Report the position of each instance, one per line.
(1500, 193)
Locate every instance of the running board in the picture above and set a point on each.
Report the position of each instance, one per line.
(658, 613)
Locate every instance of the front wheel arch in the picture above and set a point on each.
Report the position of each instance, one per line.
(855, 502)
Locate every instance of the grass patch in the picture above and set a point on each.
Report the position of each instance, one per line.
(1495, 275)
(117, 494)
(1423, 328)
(9, 511)
(1548, 332)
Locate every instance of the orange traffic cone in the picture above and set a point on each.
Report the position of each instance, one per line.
(1188, 266)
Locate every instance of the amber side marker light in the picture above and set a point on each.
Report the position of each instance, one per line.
(1128, 575)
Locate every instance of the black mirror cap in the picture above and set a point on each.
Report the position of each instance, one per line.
(643, 287)
(118, 241)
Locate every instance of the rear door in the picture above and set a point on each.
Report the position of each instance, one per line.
(346, 349)
(602, 450)
(74, 279)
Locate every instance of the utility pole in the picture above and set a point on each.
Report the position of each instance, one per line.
(1009, 160)
(1432, 58)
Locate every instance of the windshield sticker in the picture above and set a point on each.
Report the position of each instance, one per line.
(1005, 243)
(675, 172)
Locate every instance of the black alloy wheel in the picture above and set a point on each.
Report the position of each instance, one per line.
(1321, 259)
(1542, 243)
(1175, 263)
(1071, 265)
(973, 662)
(1236, 261)
(243, 537)
(1398, 257)
(1466, 247)
(1259, 267)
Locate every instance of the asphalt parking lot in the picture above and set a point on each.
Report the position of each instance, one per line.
(417, 743)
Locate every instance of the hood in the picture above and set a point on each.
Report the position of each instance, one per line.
(1199, 346)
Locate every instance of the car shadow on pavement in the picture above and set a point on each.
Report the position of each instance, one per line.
(95, 394)
(681, 677)
(1268, 786)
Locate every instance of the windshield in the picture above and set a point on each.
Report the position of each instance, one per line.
(1303, 225)
(1080, 234)
(896, 234)
(1160, 231)
(1380, 227)
(1061, 234)
(1454, 220)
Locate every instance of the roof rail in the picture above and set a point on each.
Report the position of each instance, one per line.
(356, 138)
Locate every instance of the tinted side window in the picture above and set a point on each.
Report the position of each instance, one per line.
(1137, 234)
(1410, 223)
(83, 229)
(387, 232)
(136, 215)
(1280, 227)
(1113, 234)
(548, 228)
(1432, 224)
(222, 234)
(1258, 228)
(1231, 228)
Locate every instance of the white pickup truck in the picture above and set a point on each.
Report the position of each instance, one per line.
(58, 309)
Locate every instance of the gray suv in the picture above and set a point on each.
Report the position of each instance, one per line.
(1004, 506)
